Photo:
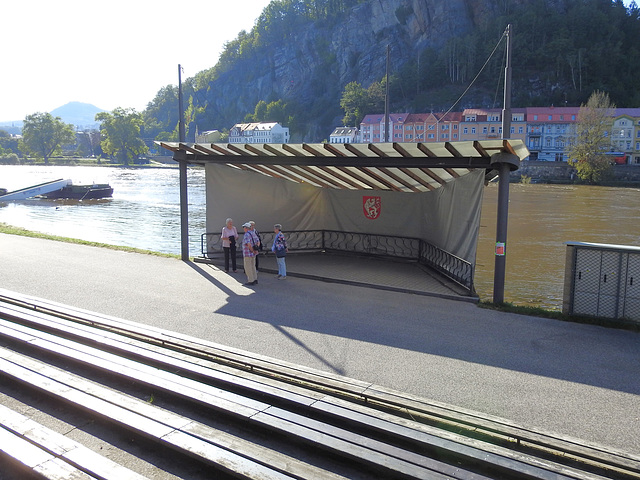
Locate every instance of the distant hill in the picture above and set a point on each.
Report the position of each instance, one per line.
(82, 115)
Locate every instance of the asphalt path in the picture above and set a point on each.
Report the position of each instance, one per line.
(581, 381)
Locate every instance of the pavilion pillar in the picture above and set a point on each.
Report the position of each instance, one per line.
(504, 163)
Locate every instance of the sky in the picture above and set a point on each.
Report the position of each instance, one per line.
(110, 54)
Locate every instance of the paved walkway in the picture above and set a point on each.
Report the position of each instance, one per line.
(576, 380)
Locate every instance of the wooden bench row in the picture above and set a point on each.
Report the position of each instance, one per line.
(336, 440)
(456, 418)
(346, 412)
(224, 451)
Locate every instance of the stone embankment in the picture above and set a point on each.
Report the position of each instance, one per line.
(562, 172)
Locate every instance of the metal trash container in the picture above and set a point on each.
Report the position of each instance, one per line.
(602, 280)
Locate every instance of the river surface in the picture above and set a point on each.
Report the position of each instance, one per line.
(145, 213)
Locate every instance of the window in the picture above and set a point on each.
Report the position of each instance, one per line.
(519, 129)
(573, 117)
(550, 117)
(535, 117)
(484, 129)
(466, 130)
(455, 135)
(455, 127)
(473, 129)
(430, 135)
(493, 129)
(513, 130)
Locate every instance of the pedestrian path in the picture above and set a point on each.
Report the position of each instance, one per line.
(373, 272)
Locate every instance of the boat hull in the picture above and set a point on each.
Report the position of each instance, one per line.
(82, 192)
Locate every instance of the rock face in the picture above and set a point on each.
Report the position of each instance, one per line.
(319, 58)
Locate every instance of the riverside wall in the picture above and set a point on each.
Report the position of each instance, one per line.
(561, 172)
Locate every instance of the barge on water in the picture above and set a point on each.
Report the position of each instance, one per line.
(82, 192)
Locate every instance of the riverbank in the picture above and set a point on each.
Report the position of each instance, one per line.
(564, 174)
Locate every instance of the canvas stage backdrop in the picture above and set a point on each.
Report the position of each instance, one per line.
(448, 217)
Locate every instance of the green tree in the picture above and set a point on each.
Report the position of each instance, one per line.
(43, 135)
(587, 150)
(120, 131)
(354, 102)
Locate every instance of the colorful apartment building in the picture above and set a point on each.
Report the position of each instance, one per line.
(546, 131)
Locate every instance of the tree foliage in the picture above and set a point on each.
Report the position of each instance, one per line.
(587, 151)
(357, 101)
(120, 130)
(43, 135)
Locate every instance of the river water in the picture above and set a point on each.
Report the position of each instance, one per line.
(145, 213)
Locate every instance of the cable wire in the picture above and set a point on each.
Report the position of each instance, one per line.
(476, 77)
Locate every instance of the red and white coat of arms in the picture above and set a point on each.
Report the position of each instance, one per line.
(371, 206)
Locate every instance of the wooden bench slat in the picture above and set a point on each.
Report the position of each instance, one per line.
(373, 457)
(38, 460)
(63, 447)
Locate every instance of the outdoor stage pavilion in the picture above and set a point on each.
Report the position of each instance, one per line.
(410, 201)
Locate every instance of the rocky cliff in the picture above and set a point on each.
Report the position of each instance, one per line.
(316, 60)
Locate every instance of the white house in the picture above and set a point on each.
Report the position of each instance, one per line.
(344, 135)
(259, 133)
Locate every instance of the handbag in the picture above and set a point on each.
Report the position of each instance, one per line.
(281, 252)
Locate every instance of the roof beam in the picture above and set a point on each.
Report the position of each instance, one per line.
(342, 161)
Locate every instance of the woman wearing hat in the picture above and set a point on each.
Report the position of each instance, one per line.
(249, 252)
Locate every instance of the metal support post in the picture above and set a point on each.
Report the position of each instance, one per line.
(501, 233)
(504, 166)
(184, 202)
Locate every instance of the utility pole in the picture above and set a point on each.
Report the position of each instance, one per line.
(386, 101)
(184, 203)
(503, 185)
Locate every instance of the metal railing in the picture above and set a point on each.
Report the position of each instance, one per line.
(406, 248)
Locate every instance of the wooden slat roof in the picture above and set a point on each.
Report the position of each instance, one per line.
(403, 167)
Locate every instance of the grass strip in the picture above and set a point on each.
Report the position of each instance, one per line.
(557, 315)
(11, 230)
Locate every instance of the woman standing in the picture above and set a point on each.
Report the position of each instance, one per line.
(229, 236)
(280, 249)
